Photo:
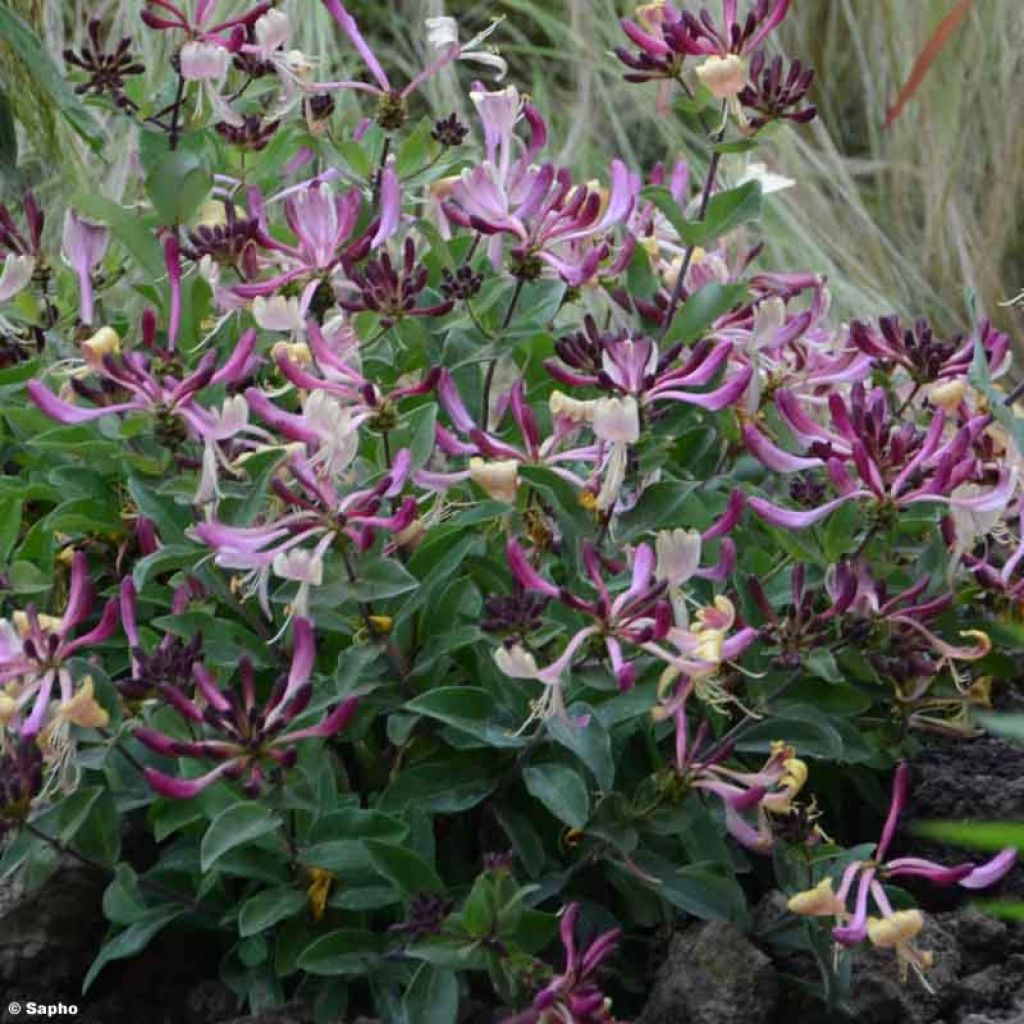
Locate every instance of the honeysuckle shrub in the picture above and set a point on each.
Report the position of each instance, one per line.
(439, 560)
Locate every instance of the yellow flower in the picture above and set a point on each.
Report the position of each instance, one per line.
(895, 929)
(498, 479)
(948, 394)
(105, 342)
(318, 891)
(820, 901)
(47, 623)
(381, 623)
(8, 708)
(82, 709)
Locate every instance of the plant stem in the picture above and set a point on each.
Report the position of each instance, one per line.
(677, 291)
(485, 407)
(172, 135)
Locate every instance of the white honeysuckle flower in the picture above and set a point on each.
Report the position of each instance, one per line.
(443, 32)
(516, 662)
(770, 181)
(723, 77)
(204, 62)
(678, 555)
(575, 409)
(499, 479)
(273, 30)
(336, 426)
(300, 566)
(278, 313)
(617, 420)
(17, 273)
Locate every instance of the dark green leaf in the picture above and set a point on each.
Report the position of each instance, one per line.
(238, 824)
(432, 997)
(561, 789)
(406, 869)
(266, 909)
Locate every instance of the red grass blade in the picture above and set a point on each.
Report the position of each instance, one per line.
(927, 57)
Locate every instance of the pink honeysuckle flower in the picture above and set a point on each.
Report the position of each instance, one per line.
(744, 795)
(1006, 579)
(552, 221)
(640, 617)
(21, 250)
(318, 515)
(195, 20)
(83, 246)
(573, 997)
(626, 365)
(485, 449)
(247, 740)
(666, 36)
(862, 880)
(323, 224)
(896, 463)
(856, 594)
(133, 376)
(34, 649)
(442, 35)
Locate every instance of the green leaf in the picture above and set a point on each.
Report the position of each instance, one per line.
(804, 726)
(695, 890)
(659, 506)
(981, 377)
(590, 743)
(1010, 726)
(132, 940)
(702, 309)
(726, 211)
(346, 951)
(822, 663)
(177, 181)
(29, 49)
(171, 556)
(561, 494)
(8, 140)
(122, 900)
(469, 709)
(266, 909)
(238, 824)
(561, 789)
(432, 997)
(377, 579)
(448, 786)
(405, 868)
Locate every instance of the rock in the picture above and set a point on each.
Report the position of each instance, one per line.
(49, 937)
(712, 975)
(998, 987)
(880, 996)
(210, 1001)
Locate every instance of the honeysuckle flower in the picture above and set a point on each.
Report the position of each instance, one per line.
(862, 881)
(724, 77)
(774, 96)
(201, 62)
(35, 647)
(639, 617)
(278, 313)
(195, 20)
(897, 464)
(633, 366)
(27, 242)
(573, 997)
(83, 246)
(16, 274)
(470, 440)
(442, 34)
(317, 515)
(171, 402)
(666, 39)
(748, 798)
(248, 740)
(616, 422)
